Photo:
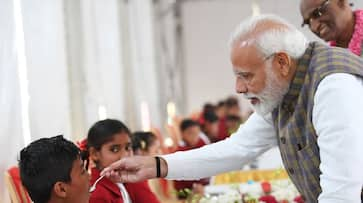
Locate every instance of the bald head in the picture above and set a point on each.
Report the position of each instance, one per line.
(304, 4)
(330, 20)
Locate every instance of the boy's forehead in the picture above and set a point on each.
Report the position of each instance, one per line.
(77, 165)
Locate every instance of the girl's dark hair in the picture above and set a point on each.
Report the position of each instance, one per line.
(142, 140)
(103, 131)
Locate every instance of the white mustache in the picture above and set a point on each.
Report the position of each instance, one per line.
(250, 96)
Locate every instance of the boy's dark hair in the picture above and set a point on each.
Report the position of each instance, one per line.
(43, 163)
(210, 116)
(208, 107)
(142, 140)
(221, 104)
(103, 131)
(231, 102)
(187, 123)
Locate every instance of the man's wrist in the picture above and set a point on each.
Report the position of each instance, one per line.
(163, 167)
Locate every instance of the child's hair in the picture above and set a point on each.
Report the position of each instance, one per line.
(103, 131)
(231, 102)
(187, 123)
(43, 163)
(233, 118)
(209, 107)
(210, 116)
(221, 104)
(142, 140)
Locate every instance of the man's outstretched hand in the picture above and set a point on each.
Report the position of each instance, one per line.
(135, 169)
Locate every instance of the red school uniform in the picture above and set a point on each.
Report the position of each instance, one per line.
(182, 184)
(108, 192)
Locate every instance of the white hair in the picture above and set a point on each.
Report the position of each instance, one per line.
(285, 37)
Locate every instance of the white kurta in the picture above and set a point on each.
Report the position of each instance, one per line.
(338, 122)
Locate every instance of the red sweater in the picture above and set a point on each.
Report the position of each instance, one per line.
(182, 184)
(108, 192)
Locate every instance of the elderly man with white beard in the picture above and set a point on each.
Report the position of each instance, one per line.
(308, 101)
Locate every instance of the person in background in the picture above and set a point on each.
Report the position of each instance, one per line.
(108, 141)
(221, 109)
(190, 131)
(233, 122)
(335, 22)
(52, 171)
(145, 143)
(209, 107)
(232, 108)
(209, 124)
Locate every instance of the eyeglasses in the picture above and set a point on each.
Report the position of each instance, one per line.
(268, 57)
(317, 13)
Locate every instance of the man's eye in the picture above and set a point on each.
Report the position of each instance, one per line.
(316, 14)
(245, 76)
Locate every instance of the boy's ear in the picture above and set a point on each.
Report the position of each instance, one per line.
(93, 154)
(60, 189)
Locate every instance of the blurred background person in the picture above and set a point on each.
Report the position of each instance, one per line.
(209, 125)
(335, 22)
(190, 132)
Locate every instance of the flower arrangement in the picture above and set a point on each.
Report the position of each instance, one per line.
(277, 191)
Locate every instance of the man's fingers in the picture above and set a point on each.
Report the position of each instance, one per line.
(114, 166)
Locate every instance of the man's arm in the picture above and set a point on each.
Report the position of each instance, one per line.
(253, 138)
(338, 121)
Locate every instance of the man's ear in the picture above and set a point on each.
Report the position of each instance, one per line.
(284, 63)
(60, 189)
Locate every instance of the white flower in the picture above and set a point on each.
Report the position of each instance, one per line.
(230, 197)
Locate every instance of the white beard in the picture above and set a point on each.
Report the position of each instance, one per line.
(271, 96)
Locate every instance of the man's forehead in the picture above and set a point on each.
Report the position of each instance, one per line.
(243, 50)
(307, 3)
(306, 6)
(245, 43)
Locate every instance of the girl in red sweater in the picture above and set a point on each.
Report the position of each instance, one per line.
(108, 141)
